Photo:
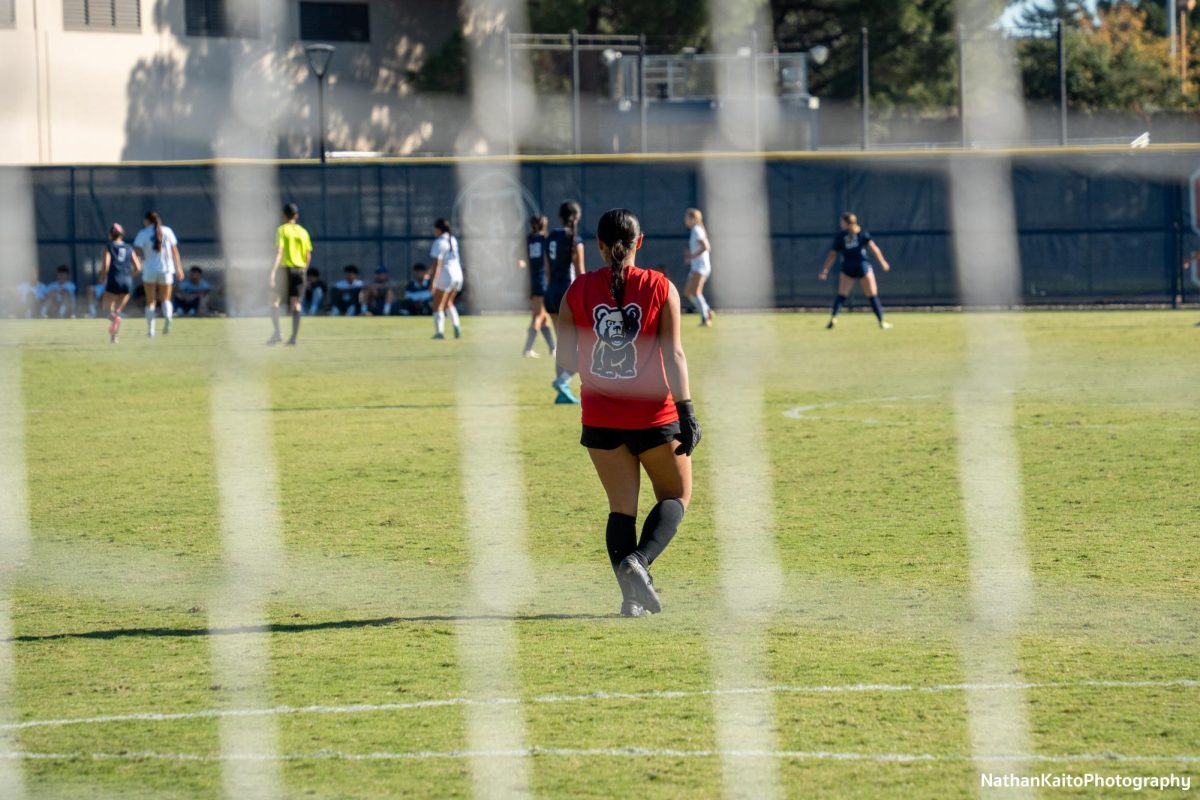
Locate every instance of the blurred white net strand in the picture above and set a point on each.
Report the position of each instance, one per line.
(16, 253)
(492, 483)
(985, 244)
(736, 212)
(252, 552)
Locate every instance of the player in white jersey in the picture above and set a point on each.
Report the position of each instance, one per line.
(161, 267)
(447, 279)
(696, 256)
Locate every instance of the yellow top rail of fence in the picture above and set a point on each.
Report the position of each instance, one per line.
(626, 158)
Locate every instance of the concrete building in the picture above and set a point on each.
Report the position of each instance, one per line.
(101, 81)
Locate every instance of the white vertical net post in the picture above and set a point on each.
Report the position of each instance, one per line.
(248, 214)
(16, 253)
(490, 218)
(985, 242)
(731, 400)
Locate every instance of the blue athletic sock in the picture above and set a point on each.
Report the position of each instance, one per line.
(548, 335)
(838, 302)
(530, 338)
(564, 376)
(878, 306)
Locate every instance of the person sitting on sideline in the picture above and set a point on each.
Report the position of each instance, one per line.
(314, 293)
(191, 295)
(418, 293)
(379, 296)
(31, 293)
(59, 299)
(346, 293)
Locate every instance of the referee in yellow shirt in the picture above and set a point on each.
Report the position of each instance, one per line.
(293, 252)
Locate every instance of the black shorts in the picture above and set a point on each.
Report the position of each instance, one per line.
(859, 272)
(119, 284)
(638, 441)
(554, 297)
(290, 285)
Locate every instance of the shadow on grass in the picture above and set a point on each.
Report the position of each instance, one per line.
(305, 627)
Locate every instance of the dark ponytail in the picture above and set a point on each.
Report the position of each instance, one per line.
(154, 219)
(620, 230)
(570, 213)
(443, 225)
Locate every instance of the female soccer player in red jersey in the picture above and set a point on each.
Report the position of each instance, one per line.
(619, 329)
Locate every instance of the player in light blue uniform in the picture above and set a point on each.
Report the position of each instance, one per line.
(852, 244)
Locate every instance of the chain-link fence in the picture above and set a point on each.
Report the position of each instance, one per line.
(1094, 226)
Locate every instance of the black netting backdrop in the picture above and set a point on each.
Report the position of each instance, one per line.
(1105, 227)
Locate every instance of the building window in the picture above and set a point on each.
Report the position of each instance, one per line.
(335, 22)
(102, 15)
(220, 18)
(8, 13)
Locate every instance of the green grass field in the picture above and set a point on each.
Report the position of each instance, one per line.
(109, 612)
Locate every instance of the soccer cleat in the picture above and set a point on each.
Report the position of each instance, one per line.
(629, 608)
(290, 343)
(885, 326)
(439, 336)
(565, 396)
(530, 354)
(636, 584)
(274, 340)
(831, 324)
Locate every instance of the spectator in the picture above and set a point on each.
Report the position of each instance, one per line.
(379, 296)
(191, 295)
(418, 294)
(347, 293)
(31, 294)
(314, 292)
(60, 295)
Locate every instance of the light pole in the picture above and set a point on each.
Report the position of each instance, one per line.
(319, 56)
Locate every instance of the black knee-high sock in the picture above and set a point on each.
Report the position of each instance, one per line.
(659, 529)
(620, 537)
(530, 338)
(838, 302)
(275, 318)
(295, 324)
(548, 335)
(878, 306)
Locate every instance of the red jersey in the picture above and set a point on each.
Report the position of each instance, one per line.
(624, 380)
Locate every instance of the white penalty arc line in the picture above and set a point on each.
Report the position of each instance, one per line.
(603, 752)
(802, 412)
(363, 708)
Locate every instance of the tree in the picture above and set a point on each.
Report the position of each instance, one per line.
(1116, 61)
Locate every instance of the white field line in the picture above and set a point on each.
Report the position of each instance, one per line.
(363, 708)
(17, 259)
(611, 752)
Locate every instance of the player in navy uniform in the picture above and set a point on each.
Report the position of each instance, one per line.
(851, 244)
(535, 251)
(121, 264)
(564, 262)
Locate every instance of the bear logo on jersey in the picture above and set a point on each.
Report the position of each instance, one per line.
(615, 352)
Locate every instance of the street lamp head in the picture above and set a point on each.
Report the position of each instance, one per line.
(319, 56)
(610, 56)
(819, 54)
